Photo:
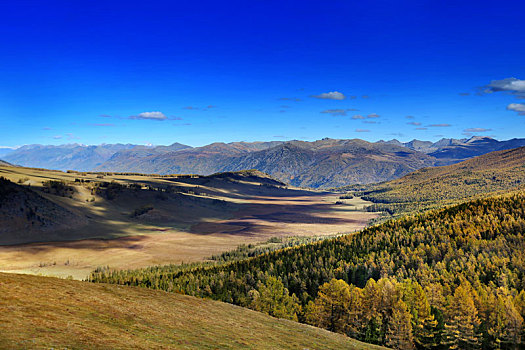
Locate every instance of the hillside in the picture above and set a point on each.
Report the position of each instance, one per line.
(45, 312)
(25, 215)
(473, 147)
(492, 172)
(448, 278)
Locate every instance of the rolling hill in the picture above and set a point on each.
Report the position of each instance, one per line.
(25, 215)
(44, 312)
(493, 172)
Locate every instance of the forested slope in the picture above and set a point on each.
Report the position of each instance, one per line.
(450, 278)
(434, 187)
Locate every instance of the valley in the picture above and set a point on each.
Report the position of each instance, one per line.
(140, 220)
(262, 175)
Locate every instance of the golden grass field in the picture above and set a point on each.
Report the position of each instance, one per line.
(213, 216)
(50, 313)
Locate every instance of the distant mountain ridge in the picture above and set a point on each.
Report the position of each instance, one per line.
(64, 157)
(318, 164)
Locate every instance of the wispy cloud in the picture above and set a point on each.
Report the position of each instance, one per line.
(464, 94)
(517, 107)
(362, 130)
(471, 130)
(370, 121)
(421, 129)
(332, 95)
(190, 107)
(57, 137)
(414, 123)
(410, 117)
(442, 125)
(357, 116)
(46, 128)
(149, 116)
(102, 124)
(339, 111)
(71, 136)
(373, 115)
(295, 99)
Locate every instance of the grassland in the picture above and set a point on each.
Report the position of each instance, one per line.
(45, 312)
(192, 218)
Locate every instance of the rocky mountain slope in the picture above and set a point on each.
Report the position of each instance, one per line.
(319, 164)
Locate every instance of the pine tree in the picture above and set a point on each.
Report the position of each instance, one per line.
(331, 308)
(273, 299)
(399, 332)
(462, 322)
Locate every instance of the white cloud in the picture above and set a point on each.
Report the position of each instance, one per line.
(507, 84)
(517, 107)
(414, 123)
(357, 116)
(373, 115)
(332, 95)
(362, 130)
(150, 116)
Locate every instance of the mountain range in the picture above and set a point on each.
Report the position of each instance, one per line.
(318, 164)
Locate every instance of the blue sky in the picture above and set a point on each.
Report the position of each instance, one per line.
(201, 72)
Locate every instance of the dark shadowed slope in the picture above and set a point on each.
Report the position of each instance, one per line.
(27, 216)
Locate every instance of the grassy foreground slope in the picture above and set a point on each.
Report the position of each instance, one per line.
(44, 312)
